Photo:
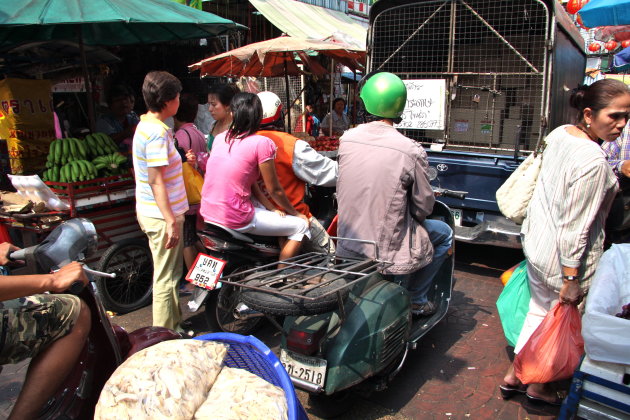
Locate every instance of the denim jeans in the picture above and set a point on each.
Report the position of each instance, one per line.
(419, 282)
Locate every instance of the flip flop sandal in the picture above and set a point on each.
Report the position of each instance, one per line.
(508, 391)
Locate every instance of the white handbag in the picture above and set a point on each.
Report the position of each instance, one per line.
(514, 195)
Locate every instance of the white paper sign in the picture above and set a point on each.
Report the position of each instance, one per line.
(425, 104)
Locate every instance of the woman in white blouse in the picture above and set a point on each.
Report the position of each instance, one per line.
(563, 233)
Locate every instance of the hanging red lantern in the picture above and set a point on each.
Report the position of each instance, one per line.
(611, 45)
(594, 47)
(625, 44)
(574, 6)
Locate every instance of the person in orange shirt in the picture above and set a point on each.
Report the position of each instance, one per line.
(298, 164)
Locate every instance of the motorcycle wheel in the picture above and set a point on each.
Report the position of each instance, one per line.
(219, 311)
(132, 287)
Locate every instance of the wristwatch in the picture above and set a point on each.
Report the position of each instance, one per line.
(570, 278)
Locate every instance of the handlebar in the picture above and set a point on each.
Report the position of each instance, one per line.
(441, 192)
(76, 287)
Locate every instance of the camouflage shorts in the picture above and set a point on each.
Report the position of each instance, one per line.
(30, 324)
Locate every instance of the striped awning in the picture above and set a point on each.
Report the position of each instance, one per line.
(302, 20)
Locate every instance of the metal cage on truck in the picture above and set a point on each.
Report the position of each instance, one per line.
(508, 69)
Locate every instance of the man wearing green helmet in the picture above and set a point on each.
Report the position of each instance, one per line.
(385, 196)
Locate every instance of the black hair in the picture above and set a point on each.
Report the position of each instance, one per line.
(119, 91)
(371, 117)
(337, 100)
(224, 92)
(158, 88)
(596, 96)
(188, 107)
(246, 116)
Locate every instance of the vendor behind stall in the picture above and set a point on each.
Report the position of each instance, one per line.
(119, 122)
(340, 121)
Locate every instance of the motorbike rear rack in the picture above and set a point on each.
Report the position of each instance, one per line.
(304, 273)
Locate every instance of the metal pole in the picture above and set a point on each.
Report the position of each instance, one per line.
(88, 82)
(332, 72)
(286, 84)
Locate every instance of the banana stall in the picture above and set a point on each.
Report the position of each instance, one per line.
(48, 178)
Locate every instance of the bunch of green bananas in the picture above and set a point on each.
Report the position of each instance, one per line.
(100, 144)
(73, 171)
(66, 150)
(110, 164)
(69, 158)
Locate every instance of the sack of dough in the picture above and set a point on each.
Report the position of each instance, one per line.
(240, 395)
(169, 380)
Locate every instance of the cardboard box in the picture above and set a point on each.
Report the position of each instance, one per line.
(461, 125)
(512, 128)
(487, 128)
(478, 99)
(514, 112)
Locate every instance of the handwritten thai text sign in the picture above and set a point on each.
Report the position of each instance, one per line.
(425, 104)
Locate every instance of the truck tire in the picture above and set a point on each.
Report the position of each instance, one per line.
(272, 304)
(132, 287)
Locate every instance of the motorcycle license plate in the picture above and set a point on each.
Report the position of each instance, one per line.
(457, 216)
(206, 271)
(308, 369)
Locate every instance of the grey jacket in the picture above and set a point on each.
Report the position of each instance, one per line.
(384, 195)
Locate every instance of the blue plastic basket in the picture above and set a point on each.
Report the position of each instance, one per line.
(251, 354)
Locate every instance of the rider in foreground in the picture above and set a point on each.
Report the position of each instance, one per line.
(385, 196)
(49, 328)
(297, 164)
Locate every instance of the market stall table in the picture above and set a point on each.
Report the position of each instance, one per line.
(122, 247)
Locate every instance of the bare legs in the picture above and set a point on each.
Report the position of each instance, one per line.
(288, 248)
(50, 368)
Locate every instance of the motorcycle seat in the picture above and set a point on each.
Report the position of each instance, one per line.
(233, 233)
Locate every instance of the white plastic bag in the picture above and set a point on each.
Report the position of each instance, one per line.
(607, 337)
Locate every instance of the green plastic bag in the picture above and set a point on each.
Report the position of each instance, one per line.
(513, 303)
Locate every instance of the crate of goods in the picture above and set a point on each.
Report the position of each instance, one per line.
(88, 171)
(598, 390)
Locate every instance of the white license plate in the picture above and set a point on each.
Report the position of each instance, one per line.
(308, 369)
(457, 215)
(206, 271)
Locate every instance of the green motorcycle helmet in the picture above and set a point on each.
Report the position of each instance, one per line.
(384, 95)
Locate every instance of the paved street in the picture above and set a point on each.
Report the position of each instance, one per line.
(454, 373)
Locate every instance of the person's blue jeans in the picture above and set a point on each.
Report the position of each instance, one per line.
(419, 282)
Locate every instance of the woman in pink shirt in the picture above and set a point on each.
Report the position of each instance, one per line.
(239, 157)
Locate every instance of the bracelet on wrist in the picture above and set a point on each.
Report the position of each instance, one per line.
(570, 278)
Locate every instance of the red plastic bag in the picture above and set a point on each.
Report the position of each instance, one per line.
(554, 349)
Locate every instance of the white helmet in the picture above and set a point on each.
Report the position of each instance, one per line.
(271, 107)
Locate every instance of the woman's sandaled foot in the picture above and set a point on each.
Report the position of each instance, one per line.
(552, 399)
(508, 391)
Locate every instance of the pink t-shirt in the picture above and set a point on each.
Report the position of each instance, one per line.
(190, 138)
(230, 174)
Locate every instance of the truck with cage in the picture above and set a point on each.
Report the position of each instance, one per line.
(504, 71)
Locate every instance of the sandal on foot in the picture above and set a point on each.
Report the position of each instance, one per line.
(508, 391)
(538, 400)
